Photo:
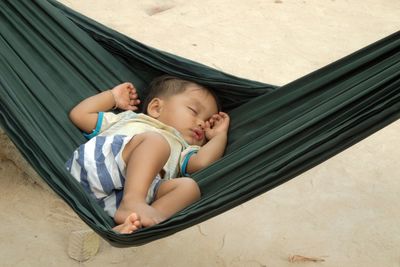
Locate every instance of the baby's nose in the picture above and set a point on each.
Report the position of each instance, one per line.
(201, 123)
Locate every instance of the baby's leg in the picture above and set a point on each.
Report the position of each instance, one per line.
(175, 195)
(145, 155)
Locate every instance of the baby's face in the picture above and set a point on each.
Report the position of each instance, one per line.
(188, 111)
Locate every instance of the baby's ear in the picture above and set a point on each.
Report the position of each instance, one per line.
(154, 108)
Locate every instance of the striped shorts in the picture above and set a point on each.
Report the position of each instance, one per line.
(100, 169)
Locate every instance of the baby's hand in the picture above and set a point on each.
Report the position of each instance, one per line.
(125, 96)
(217, 124)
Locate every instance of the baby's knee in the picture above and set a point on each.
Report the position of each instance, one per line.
(191, 187)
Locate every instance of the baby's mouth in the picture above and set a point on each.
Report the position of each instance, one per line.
(198, 134)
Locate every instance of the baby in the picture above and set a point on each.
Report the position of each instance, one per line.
(132, 161)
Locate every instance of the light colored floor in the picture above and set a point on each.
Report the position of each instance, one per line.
(345, 211)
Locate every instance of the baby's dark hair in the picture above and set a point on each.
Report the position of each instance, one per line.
(167, 85)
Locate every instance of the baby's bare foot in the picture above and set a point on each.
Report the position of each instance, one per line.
(131, 224)
(149, 216)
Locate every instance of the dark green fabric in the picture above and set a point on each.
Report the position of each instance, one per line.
(52, 57)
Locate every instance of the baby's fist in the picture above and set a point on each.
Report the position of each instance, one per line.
(217, 124)
(125, 96)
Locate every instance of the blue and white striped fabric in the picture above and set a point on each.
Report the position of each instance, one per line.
(99, 168)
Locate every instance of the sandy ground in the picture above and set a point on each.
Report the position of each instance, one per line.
(345, 211)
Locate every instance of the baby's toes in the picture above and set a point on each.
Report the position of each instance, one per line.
(129, 229)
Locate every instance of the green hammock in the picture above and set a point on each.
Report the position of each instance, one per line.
(52, 57)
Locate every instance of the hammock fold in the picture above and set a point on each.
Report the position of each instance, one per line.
(52, 57)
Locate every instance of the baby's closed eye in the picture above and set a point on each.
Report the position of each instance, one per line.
(193, 110)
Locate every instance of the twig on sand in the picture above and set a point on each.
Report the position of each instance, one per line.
(299, 258)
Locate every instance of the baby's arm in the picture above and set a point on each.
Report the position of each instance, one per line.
(123, 96)
(216, 131)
